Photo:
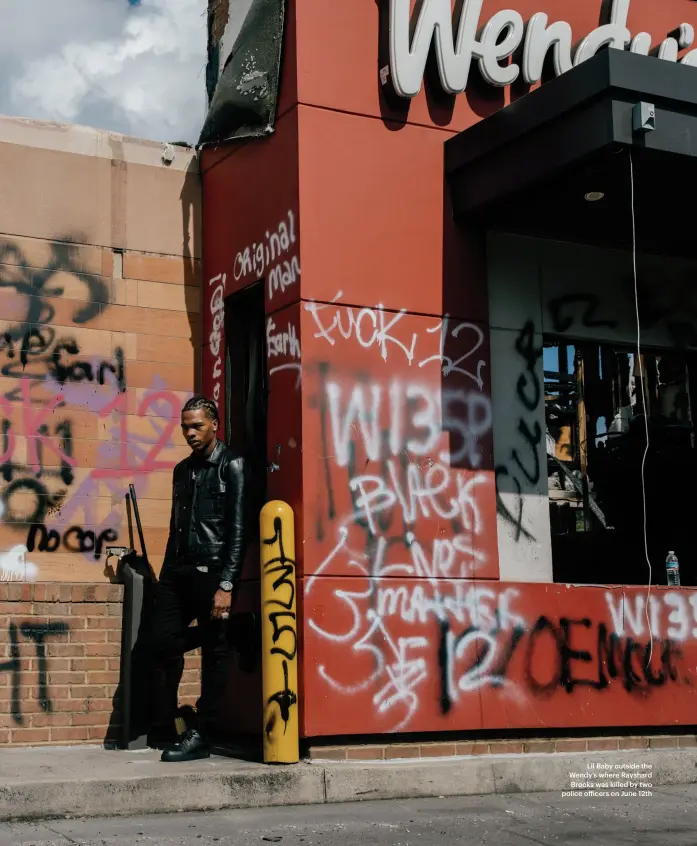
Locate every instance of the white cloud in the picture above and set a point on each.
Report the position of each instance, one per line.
(137, 69)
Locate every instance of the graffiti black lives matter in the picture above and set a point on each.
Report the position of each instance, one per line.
(406, 450)
(404, 506)
(403, 653)
(37, 634)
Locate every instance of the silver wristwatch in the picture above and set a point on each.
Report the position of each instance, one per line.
(226, 586)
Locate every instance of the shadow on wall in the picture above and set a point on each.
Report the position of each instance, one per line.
(191, 250)
(465, 354)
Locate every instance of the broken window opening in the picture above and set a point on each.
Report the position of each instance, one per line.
(595, 440)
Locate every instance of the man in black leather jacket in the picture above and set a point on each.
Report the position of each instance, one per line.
(201, 569)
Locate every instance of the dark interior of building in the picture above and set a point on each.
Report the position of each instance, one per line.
(597, 415)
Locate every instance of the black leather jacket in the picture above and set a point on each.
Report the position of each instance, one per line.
(211, 508)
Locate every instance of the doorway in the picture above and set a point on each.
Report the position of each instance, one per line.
(246, 390)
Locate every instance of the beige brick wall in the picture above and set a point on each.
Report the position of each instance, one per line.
(99, 337)
(99, 310)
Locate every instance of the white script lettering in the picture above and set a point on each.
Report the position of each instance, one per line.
(499, 39)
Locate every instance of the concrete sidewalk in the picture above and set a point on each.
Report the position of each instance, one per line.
(88, 781)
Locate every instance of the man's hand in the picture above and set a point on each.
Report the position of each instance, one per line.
(222, 603)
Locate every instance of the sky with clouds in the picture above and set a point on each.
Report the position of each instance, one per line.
(131, 66)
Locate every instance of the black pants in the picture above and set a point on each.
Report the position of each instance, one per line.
(185, 594)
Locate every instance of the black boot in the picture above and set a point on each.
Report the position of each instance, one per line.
(193, 746)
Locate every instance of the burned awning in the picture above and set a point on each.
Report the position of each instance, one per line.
(556, 163)
(244, 99)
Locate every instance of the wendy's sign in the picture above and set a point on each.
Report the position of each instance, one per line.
(493, 42)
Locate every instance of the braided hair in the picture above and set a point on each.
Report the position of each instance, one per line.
(200, 402)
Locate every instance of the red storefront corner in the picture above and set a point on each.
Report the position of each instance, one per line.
(380, 417)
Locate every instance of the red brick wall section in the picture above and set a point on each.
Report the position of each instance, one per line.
(60, 648)
(445, 749)
(60, 659)
(190, 687)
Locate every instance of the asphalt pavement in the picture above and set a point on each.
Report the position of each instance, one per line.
(668, 817)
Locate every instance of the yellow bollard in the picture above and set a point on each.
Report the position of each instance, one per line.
(279, 637)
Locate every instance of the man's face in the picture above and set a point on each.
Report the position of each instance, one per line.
(199, 430)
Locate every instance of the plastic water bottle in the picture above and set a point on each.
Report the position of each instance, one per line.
(673, 570)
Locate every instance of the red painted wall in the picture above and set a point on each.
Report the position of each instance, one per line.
(380, 413)
(437, 655)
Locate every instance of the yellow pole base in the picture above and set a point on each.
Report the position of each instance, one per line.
(279, 638)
